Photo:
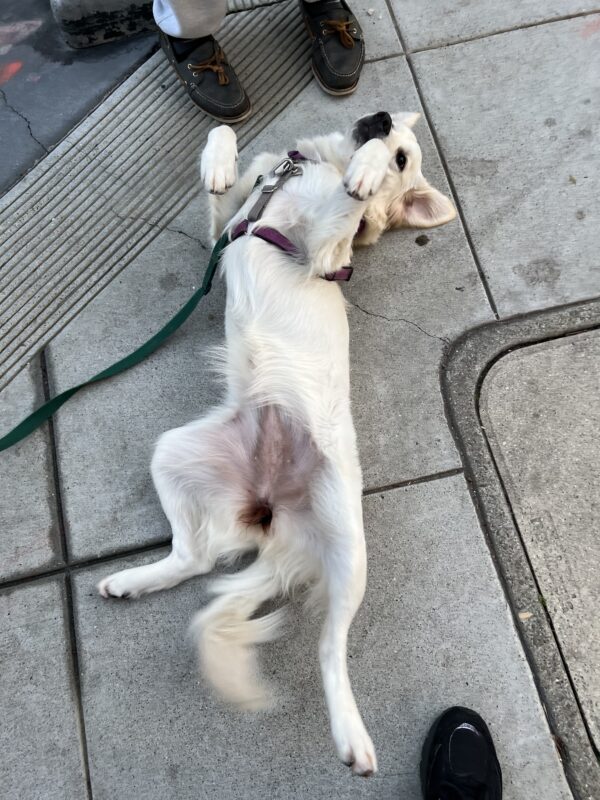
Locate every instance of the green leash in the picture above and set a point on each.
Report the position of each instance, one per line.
(42, 414)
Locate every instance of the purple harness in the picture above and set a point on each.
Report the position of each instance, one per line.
(287, 169)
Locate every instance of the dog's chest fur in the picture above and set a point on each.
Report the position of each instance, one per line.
(287, 331)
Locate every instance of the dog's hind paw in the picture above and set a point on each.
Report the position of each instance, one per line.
(218, 164)
(115, 586)
(131, 583)
(355, 748)
(367, 169)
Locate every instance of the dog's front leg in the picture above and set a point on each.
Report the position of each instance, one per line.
(367, 169)
(218, 172)
(218, 163)
(336, 218)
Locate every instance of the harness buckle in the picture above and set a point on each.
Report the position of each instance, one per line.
(286, 168)
(285, 165)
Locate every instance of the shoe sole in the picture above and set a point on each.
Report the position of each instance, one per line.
(333, 92)
(426, 752)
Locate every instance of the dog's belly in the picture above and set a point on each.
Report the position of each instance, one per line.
(268, 461)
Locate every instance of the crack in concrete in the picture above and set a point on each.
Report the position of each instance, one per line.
(400, 319)
(25, 120)
(187, 235)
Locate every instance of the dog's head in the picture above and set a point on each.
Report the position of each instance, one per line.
(405, 199)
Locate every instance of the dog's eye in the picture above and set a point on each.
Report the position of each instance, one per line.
(401, 159)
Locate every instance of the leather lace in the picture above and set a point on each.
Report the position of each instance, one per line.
(343, 27)
(213, 64)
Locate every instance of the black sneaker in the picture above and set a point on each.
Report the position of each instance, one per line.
(459, 761)
(210, 80)
(338, 52)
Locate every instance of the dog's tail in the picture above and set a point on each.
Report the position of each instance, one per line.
(226, 636)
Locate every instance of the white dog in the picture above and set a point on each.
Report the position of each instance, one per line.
(275, 467)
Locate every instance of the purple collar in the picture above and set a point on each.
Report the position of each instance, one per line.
(266, 234)
(273, 236)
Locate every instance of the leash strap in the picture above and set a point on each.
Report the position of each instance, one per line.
(42, 414)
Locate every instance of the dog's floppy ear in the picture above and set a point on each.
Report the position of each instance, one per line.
(421, 207)
(408, 118)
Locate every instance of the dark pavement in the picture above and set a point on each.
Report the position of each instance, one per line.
(47, 87)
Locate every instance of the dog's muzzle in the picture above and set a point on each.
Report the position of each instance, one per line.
(375, 126)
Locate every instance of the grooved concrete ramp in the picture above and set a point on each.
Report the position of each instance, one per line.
(104, 193)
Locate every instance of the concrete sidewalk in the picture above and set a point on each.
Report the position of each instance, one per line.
(102, 698)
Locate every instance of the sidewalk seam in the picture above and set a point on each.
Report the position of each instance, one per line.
(445, 166)
(500, 31)
(68, 568)
(437, 476)
(74, 652)
(69, 611)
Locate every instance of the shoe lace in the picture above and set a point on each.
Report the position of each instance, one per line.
(342, 27)
(213, 64)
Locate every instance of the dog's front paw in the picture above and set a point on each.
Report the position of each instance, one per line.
(366, 171)
(355, 747)
(218, 165)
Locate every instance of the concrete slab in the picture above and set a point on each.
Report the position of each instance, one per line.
(39, 739)
(30, 539)
(518, 137)
(381, 39)
(105, 436)
(436, 22)
(45, 86)
(540, 407)
(434, 630)
(412, 300)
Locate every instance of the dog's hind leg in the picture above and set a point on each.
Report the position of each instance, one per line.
(339, 514)
(182, 474)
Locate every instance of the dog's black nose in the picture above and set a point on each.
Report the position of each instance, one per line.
(375, 126)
